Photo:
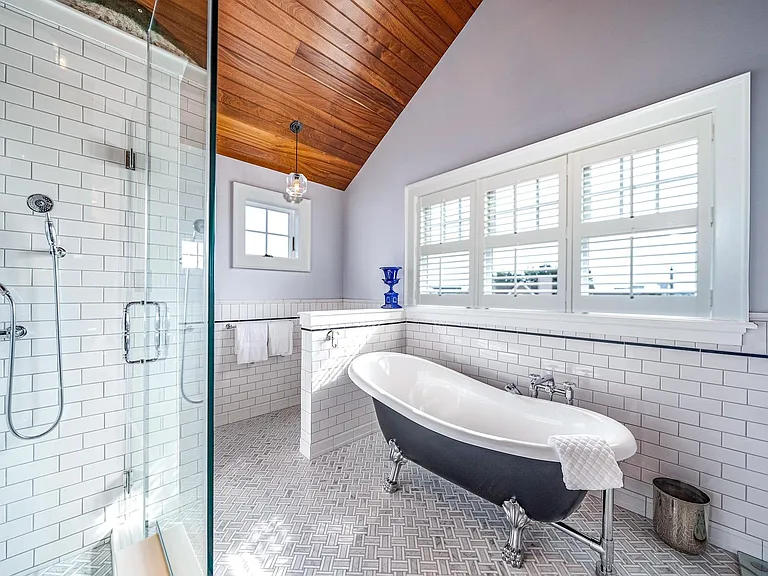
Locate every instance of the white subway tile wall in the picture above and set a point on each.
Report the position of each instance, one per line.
(69, 107)
(334, 411)
(697, 416)
(245, 391)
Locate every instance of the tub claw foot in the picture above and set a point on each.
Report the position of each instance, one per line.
(513, 549)
(391, 484)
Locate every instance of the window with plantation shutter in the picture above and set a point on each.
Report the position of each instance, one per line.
(444, 247)
(641, 223)
(622, 224)
(523, 253)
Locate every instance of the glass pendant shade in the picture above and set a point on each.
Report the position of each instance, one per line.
(296, 186)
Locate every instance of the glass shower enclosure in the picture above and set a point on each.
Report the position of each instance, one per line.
(104, 429)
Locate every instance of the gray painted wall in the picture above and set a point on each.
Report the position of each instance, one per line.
(525, 70)
(324, 281)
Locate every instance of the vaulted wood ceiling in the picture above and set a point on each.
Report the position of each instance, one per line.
(345, 68)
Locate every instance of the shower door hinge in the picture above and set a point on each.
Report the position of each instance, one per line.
(130, 159)
(127, 481)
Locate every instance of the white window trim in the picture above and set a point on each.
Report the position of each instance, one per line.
(243, 194)
(728, 104)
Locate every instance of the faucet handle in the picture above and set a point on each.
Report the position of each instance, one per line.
(569, 391)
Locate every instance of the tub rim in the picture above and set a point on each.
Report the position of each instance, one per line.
(623, 449)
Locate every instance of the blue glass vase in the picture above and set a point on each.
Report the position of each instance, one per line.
(390, 279)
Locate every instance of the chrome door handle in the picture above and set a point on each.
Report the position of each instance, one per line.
(127, 331)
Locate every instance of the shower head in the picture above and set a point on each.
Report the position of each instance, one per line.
(40, 203)
(199, 226)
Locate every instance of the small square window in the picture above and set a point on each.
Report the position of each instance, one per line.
(267, 232)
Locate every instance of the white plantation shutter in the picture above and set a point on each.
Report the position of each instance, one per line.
(444, 263)
(642, 238)
(523, 248)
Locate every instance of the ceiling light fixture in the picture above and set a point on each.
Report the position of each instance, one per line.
(296, 182)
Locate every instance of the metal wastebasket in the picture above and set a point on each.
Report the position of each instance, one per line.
(680, 515)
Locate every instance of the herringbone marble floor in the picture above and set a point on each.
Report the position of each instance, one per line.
(277, 514)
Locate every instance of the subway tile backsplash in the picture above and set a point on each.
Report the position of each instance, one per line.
(246, 391)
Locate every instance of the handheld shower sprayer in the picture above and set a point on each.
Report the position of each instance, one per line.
(40, 204)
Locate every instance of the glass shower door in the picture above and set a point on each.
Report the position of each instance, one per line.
(175, 264)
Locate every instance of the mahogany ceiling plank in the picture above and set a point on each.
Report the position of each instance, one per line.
(260, 35)
(345, 68)
(309, 61)
(240, 108)
(416, 53)
(390, 22)
(361, 63)
(272, 99)
(237, 148)
(403, 14)
(339, 22)
(278, 151)
(291, 81)
(463, 8)
(428, 20)
(446, 12)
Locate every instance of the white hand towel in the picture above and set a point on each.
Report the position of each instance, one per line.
(251, 342)
(281, 338)
(588, 462)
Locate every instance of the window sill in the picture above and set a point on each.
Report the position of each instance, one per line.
(726, 332)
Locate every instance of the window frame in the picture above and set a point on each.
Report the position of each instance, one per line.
(300, 223)
(697, 306)
(454, 193)
(727, 106)
(558, 301)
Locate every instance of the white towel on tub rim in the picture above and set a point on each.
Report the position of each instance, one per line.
(587, 461)
(281, 338)
(251, 342)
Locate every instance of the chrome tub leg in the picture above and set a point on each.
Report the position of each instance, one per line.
(391, 484)
(605, 564)
(513, 549)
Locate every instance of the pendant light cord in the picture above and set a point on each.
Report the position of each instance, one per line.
(297, 151)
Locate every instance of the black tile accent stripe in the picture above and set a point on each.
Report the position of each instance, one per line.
(256, 320)
(587, 339)
(325, 329)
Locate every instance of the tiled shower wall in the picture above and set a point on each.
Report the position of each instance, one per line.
(69, 107)
(698, 416)
(245, 391)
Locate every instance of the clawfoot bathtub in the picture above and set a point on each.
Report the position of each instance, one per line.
(486, 440)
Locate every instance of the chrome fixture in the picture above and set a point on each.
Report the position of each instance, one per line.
(513, 549)
(546, 383)
(39, 204)
(127, 331)
(198, 227)
(391, 484)
(513, 388)
(604, 547)
(296, 182)
(333, 337)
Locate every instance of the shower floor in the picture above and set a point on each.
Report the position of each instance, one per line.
(278, 514)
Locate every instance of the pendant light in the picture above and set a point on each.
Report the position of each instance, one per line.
(296, 182)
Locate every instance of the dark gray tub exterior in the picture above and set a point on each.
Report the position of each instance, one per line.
(494, 476)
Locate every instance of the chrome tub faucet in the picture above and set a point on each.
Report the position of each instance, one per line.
(546, 383)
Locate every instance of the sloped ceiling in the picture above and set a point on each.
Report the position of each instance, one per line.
(345, 68)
